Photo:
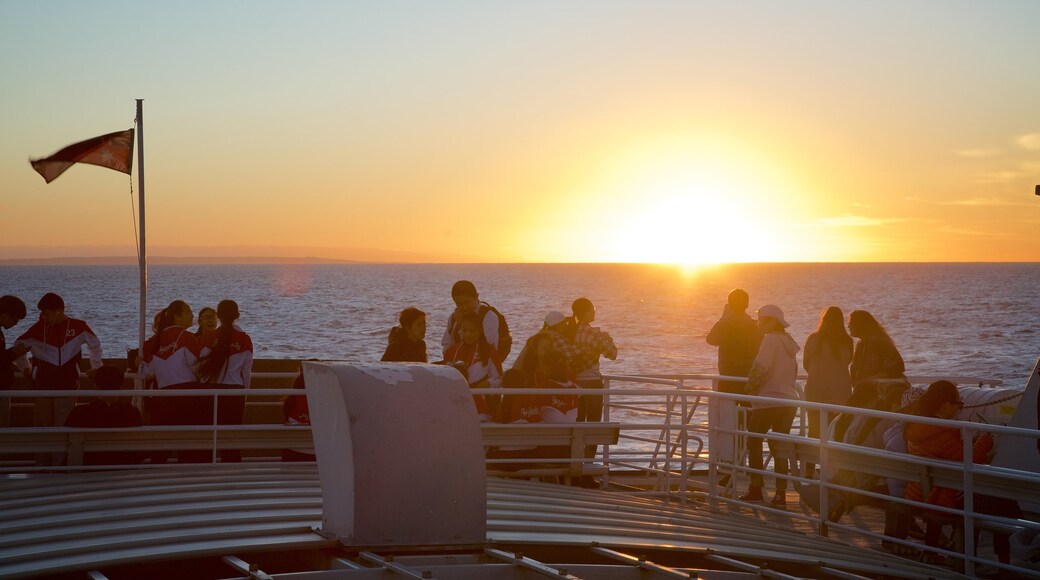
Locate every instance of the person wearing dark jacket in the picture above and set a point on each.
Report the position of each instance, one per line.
(737, 335)
(12, 311)
(406, 342)
(107, 412)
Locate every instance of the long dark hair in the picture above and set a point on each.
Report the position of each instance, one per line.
(868, 325)
(166, 317)
(831, 330)
(213, 363)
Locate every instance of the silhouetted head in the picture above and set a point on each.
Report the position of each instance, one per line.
(465, 296)
(738, 300)
(207, 319)
(863, 323)
(227, 312)
(583, 310)
(413, 322)
(12, 311)
(942, 399)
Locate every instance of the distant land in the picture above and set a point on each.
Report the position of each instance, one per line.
(152, 260)
(114, 255)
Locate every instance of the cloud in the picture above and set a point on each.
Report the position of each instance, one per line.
(848, 220)
(973, 202)
(1029, 141)
(999, 176)
(981, 152)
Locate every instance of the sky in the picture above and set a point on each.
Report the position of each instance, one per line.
(529, 131)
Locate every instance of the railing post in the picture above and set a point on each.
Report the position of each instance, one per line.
(824, 439)
(969, 501)
(213, 425)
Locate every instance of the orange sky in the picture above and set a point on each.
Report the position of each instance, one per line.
(535, 131)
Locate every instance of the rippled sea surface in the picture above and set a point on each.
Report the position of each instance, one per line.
(946, 319)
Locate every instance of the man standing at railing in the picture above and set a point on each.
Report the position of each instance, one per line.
(56, 342)
(595, 343)
(737, 335)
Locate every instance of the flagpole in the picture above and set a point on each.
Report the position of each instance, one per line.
(142, 257)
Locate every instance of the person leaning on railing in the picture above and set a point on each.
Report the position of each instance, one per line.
(942, 401)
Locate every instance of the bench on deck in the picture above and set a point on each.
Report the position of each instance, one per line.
(573, 437)
(76, 442)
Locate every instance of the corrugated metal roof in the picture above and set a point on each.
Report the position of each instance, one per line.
(59, 522)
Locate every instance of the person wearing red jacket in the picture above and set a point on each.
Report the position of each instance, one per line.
(942, 400)
(56, 342)
(227, 363)
(171, 357)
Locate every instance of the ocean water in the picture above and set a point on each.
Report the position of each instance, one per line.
(946, 319)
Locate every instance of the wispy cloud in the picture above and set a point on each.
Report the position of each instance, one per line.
(973, 202)
(980, 152)
(848, 220)
(1029, 141)
(999, 176)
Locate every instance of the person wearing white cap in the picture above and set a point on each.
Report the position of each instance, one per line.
(773, 374)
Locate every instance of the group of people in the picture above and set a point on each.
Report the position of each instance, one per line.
(174, 357)
(565, 353)
(217, 353)
(856, 367)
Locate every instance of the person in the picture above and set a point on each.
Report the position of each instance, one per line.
(171, 357)
(407, 342)
(478, 361)
(207, 321)
(875, 355)
(826, 358)
(56, 342)
(942, 400)
(107, 412)
(596, 343)
(226, 362)
(518, 408)
(738, 338)
(296, 412)
(561, 331)
(554, 374)
(12, 311)
(496, 330)
(773, 374)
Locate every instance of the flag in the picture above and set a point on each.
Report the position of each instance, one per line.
(114, 151)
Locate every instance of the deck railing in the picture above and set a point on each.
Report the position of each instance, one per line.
(678, 438)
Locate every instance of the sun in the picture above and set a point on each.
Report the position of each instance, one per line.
(692, 221)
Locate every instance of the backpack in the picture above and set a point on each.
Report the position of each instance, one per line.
(505, 339)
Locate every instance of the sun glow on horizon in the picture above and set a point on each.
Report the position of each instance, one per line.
(709, 203)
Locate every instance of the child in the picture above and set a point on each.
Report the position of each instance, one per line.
(107, 412)
(478, 361)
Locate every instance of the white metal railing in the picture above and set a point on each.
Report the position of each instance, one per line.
(674, 444)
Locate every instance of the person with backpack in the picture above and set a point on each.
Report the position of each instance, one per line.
(496, 330)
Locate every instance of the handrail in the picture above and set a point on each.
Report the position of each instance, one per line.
(664, 422)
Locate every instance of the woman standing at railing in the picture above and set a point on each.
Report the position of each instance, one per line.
(170, 357)
(773, 374)
(227, 363)
(826, 359)
(876, 355)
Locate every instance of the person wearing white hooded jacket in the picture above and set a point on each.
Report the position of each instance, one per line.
(773, 374)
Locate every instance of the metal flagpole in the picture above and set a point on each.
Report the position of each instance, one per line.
(142, 258)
